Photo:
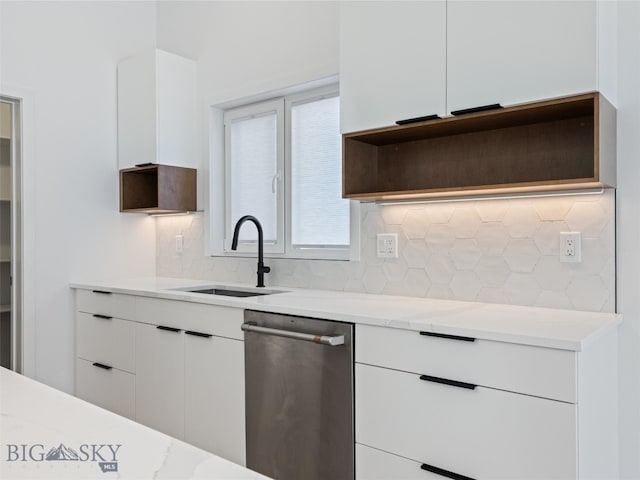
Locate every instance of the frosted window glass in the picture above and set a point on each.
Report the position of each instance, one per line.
(319, 214)
(253, 165)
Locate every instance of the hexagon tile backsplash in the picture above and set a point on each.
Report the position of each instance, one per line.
(497, 251)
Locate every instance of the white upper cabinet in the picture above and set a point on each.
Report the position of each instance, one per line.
(402, 60)
(512, 52)
(392, 63)
(157, 110)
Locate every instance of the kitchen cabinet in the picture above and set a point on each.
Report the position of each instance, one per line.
(157, 189)
(392, 62)
(411, 59)
(559, 144)
(214, 395)
(160, 378)
(483, 409)
(177, 367)
(157, 110)
(514, 52)
(105, 356)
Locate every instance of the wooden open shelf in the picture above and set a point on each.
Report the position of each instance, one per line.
(158, 189)
(560, 144)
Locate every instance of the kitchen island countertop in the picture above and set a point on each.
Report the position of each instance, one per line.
(48, 434)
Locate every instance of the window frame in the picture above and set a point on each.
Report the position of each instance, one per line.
(256, 110)
(219, 230)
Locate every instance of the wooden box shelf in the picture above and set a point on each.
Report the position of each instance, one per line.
(561, 144)
(158, 189)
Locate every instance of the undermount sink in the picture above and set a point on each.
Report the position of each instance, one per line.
(230, 292)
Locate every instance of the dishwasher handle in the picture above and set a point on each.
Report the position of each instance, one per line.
(331, 341)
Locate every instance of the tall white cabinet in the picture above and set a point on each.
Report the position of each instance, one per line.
(402, 60)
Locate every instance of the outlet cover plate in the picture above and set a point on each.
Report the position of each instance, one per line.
(570, 247)
(387, 245)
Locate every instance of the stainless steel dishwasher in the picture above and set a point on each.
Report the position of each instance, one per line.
(299, 397)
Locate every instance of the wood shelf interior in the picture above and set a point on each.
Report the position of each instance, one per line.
(547, 143)
(158, 189)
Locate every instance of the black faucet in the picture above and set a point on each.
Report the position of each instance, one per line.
(262, 269)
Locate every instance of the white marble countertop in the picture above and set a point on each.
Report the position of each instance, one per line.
(546, 327)
(36, 419)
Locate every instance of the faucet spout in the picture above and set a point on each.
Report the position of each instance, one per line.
(262, 268)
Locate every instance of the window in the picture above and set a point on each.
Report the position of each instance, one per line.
(283, 165)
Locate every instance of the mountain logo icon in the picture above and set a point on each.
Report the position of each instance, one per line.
(62, 453)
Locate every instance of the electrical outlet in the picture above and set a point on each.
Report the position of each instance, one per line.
(570, 247)
(387, 245)
(179, 243)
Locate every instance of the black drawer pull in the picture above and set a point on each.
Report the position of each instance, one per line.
(198, 334)
(482, 108)
(417, 119)
(104, 317)
(102, 365)
(444, 473)
(446, 381)
(450, 337)
(168, 329)
(104, 292)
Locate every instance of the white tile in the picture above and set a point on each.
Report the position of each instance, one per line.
(521, 220)
(465, 253)
(588, 293)
(521, 254)
(395, 268)
(553, 299)
(440, 269)
(547, 237)
(415, 224)
(439, 238)
(492, 238)
(492, 270)
(415, 253)
(553, 275)
(439, 212)
(442, 292)
(374, 280)
(465, 285)
(393, 214)
(586, 217)
(521, 289)
(553, 208)
(465, 222)
(492, 210)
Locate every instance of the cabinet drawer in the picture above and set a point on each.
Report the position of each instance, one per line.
(480, 433)
(374, 464)
(112, 389)
(110, 341)
(106, 303)
(544, 372)
(199, 317)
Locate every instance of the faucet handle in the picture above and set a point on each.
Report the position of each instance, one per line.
(265, 269)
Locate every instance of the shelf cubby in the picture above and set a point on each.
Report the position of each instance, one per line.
(561, 144)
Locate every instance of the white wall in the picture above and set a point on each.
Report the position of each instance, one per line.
(628, 200)
(61, 57)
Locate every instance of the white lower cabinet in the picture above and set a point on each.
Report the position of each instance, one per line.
(460, 429)
(106, 387)
(214, 395)
(438, 406)
(177, 367)
(160, 378)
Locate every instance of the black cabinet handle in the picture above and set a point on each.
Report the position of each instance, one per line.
(450, 337)
(104, 317)
(102, 365)
(104, 292)
(482, 108)
(198, 334)
(418, 119)
(168, 329)
(444, 473)
(446, 381)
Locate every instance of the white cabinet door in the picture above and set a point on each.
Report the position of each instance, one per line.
(511, 52)
(214, 395)
(481, 433)
(160, 379)
(392, 63)
(108, 388)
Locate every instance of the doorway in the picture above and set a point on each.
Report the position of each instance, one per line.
(10, 235)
